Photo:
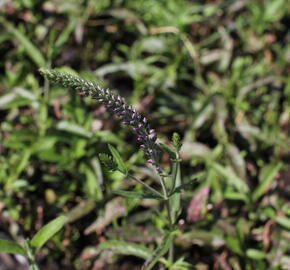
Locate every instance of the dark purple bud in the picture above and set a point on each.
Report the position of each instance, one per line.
(158, 169)
(154, 138)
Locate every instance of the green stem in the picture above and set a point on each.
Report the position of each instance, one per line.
(145, 185)
(165, 193)
(169, 216)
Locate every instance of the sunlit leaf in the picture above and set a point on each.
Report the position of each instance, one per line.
(46, 232)
(126, 248)
(255, 254)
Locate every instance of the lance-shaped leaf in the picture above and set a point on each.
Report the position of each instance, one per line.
(121, 165)
(159, 252)
(46, 232)
(267, 177)
(11, 247)
(126, 248)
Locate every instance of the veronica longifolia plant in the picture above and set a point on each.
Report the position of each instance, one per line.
(116, 105)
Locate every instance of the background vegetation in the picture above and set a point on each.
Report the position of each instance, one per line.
(217, 72)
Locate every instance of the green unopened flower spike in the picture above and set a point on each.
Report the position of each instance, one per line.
(116, 105)
(108, 162)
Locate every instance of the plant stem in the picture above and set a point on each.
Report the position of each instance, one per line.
(170, 220)
(145, 185)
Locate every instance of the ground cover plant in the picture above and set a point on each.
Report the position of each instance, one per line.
(215, 72)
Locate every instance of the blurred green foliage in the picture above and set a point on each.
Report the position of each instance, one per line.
(217, 72)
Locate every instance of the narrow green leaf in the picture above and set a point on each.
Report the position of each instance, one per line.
(73, 128)
(126, 248)
(29, 47)
(158, 253)
(236, 196)
(46, 232)
(231, 177)
(11, 247)
(255, 254)
(64, 35)
(121, 165)
(234, 244)
(138, 195)
(266, 181)
(176, 197)
(283, 221)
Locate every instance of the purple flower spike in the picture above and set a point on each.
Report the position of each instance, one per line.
(115, 104)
